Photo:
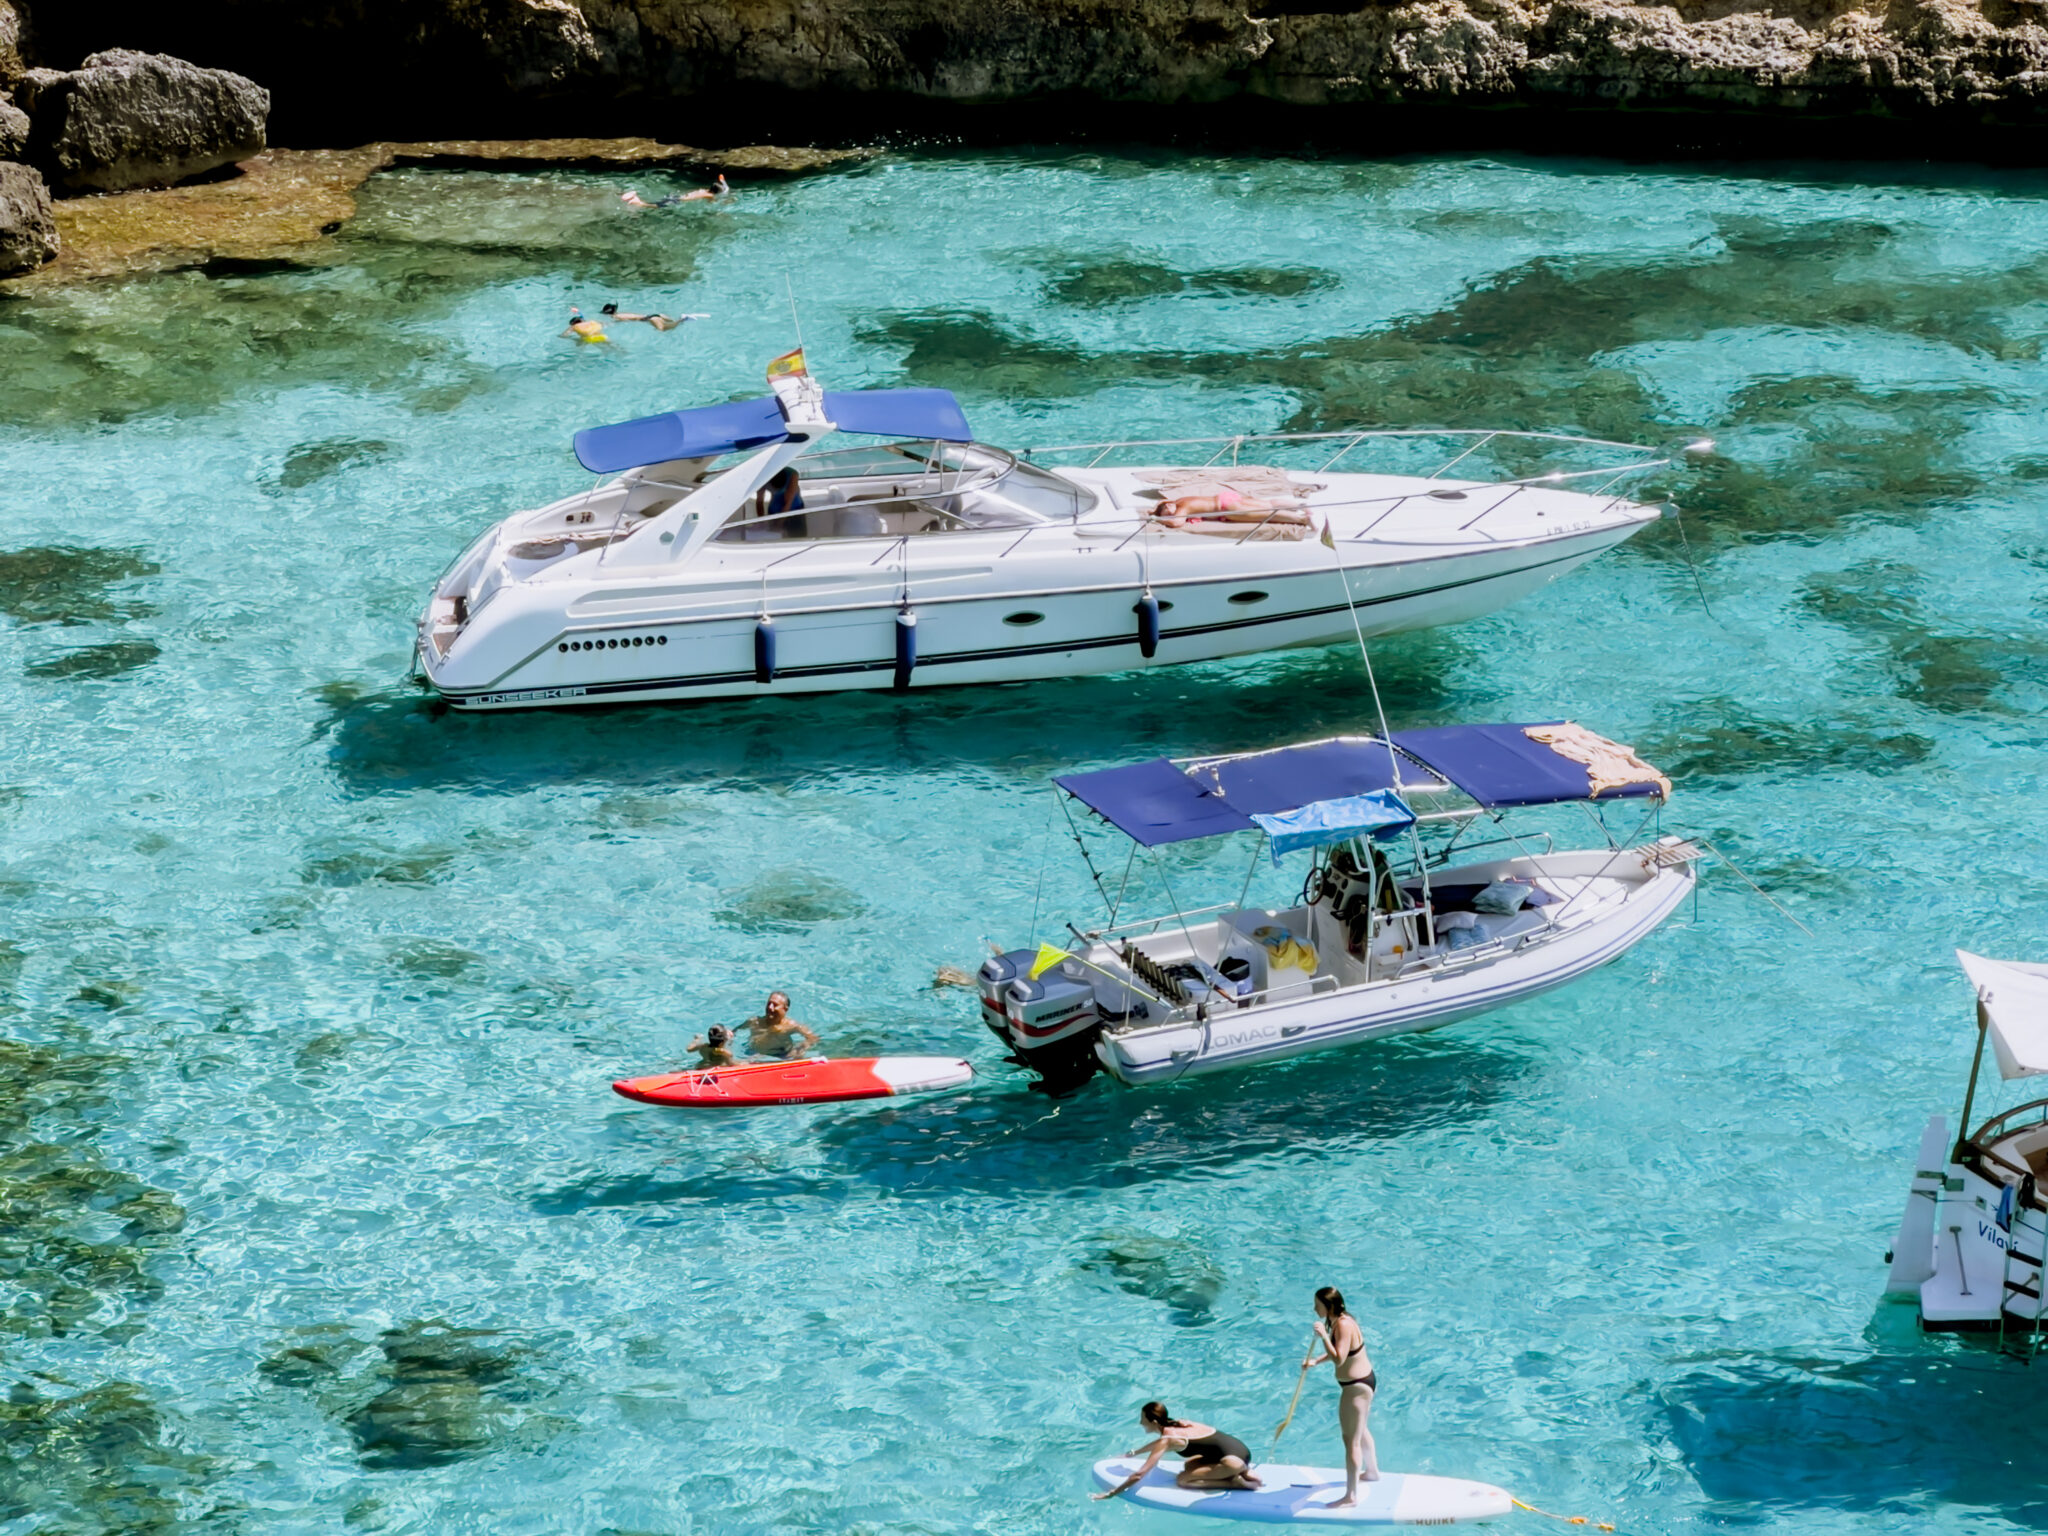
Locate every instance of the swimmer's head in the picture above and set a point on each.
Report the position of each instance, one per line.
(718, 1034)
(611, 309)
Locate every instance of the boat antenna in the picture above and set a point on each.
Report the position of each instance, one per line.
(790, 288)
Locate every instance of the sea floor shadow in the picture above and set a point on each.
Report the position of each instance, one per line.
(398, 740)
(1002, 1139)
(1888, 1430)
(1107, 1136)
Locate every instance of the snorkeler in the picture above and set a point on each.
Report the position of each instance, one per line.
(582, 329)
(708, 194)
(659, 322)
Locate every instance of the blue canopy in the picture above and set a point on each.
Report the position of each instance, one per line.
(1498, 765)
(1163, 802)
(1379, 814)
(743, 424)
(1155, 802)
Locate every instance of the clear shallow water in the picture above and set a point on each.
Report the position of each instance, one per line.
(319, 1212)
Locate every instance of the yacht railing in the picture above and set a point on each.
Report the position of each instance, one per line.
(1473, 439)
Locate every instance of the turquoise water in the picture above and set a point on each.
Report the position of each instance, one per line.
(320, 1215)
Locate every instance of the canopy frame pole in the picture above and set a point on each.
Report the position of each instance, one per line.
(1174, 901)
(1970, 1094)
(1245, 894)
(1123, 885)
(1093, 873)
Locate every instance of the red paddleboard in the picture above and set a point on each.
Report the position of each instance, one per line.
(813, 1081)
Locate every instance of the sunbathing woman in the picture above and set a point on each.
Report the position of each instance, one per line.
(1228, 512)
(1209, 1458)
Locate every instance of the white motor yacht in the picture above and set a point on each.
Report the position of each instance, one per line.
(1970, 1245)
(1403, 924)
(902, 553)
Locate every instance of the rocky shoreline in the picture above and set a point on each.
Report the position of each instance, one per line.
(284, 203)
(1776, 77)
(789, 68)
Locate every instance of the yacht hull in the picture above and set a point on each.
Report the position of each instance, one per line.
(608, 646)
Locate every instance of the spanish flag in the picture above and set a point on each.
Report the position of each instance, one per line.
(1048, 957)
(788, 366)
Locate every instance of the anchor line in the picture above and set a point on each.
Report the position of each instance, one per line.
(1598, 1525)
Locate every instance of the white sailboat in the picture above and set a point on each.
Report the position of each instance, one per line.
(754, 548)
(1402, 925)
(1970, 1245)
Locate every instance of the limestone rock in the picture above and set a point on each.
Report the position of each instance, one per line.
(13, 130)
(28, 230)
(127, 119)
(13, 44)
(360, 68)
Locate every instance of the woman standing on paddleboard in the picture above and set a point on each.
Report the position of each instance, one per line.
(1357, 1383)
(1209, 1458)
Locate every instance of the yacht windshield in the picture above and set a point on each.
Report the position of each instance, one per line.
(888, 490)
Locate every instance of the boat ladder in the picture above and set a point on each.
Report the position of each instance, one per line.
(2024, 1285)
(1665, 855)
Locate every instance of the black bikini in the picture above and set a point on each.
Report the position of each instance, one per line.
(1370, 1380)
(1210, 1450)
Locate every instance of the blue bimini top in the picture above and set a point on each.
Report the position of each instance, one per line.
(744, 424)
(1500, 765)
(1162, 801)
(1362, 778)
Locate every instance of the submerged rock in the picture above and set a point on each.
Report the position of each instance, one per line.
(787, 900)
(127, 119)
(28, 227)
(65, 584)
(1160, 1269)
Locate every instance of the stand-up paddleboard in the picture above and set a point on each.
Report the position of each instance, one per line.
(1306, 1494)
(813, 1081)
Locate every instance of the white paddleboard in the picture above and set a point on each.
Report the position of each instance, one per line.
(1306, 1493)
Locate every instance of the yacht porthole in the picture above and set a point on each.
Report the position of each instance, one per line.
(661, 639)
(1247, 597)
(1025, 619)
(563, 646)
(1448, 495)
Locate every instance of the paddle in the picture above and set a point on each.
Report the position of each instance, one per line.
(1295, 1401)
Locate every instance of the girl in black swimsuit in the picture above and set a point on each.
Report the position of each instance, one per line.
(1209, 1457)
(1357, 1385)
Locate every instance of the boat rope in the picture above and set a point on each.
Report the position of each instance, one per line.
(1686, 545)
(1767, 896)
(1044, 858)
(1598, 1525)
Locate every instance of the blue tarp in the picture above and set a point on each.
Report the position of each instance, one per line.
(744, 424)
(1379, 814)
(1497, 765)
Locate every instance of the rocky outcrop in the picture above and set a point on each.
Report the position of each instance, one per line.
(28, 230)
(13, 44)
(286, 202)
(13, 130)
(412, 68)
(125, 119)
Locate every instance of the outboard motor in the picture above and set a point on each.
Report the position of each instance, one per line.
(1053, 1024)
(993, 982)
